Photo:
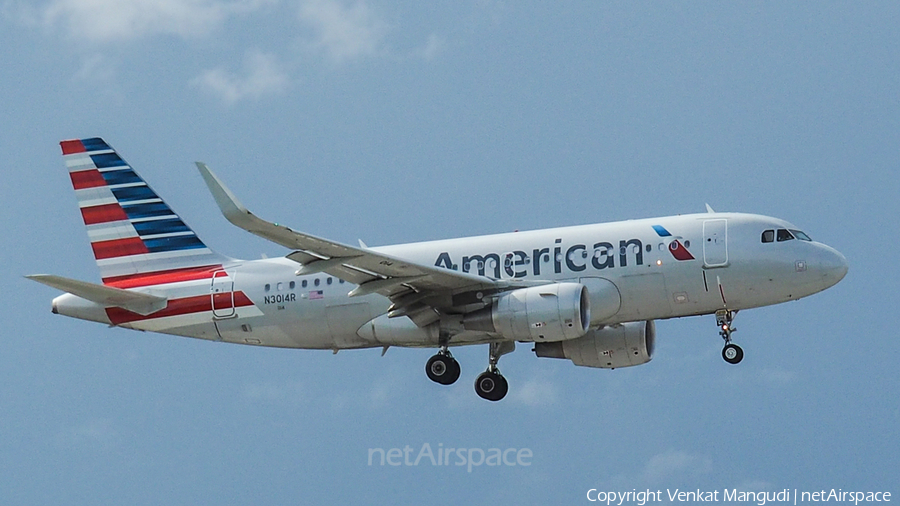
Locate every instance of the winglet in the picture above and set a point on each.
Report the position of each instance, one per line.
(240, 216)
(234, 211)
(709, 209)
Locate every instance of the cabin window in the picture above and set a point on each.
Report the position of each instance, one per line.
(268, 287)
(292, 285)
(316, 282)
(279, 286)
(784, 235)
(304, 283)
(328, 281)
(800, 235)
(768, 236)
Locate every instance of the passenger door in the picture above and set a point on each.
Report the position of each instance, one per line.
(715, 243)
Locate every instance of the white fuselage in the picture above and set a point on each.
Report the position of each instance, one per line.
(635, 270)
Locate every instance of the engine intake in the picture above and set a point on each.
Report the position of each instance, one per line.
(622, 345)
(554, 312)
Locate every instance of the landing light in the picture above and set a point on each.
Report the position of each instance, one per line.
(659, 262)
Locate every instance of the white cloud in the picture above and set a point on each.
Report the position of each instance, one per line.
(663, 469)
(262, 75)
(675, 464)
(290, 391)
(777, 376)
(343, 31)
(117, 20)
(99, 433)
(96, 69)
(533, 392)
(99, 74)
(766, 376)
(755, 486)
(433, 46)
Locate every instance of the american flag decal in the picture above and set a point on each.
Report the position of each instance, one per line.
(315, 294)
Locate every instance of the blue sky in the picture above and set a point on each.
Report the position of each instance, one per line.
(404, 121)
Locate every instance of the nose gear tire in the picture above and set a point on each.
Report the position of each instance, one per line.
(732, 353)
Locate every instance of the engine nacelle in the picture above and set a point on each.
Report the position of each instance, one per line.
(554, 312)
(610, 347)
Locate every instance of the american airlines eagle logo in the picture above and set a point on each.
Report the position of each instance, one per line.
(676, 248)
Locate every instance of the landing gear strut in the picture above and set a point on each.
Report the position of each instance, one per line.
(442, 368)
(732, 353)
(490, 384)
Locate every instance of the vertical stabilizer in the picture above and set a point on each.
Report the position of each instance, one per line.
(136, 237)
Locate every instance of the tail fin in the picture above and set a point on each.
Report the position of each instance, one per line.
(134, 234)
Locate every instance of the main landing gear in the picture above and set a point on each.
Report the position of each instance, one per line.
(732, 353)
(490, 384)
(442, 368)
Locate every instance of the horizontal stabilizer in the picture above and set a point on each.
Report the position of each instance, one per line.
(137, 302)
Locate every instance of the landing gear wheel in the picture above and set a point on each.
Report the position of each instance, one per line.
(442, 368)
(491, 386)
(732, 353)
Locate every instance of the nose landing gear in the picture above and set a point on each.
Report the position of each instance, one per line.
(732, 353)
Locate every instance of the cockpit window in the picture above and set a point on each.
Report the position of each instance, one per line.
(784, 235)
(768, 236)
(800, 235)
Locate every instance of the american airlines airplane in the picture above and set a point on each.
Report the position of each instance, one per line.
(589, 293)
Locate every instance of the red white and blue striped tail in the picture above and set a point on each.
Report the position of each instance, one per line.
(136, 237)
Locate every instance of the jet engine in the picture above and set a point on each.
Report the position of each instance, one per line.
(609, 347)
(554, 312)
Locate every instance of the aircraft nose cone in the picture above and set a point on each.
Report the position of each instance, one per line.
(834, 265)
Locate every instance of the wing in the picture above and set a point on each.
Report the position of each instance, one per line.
(419, 291)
